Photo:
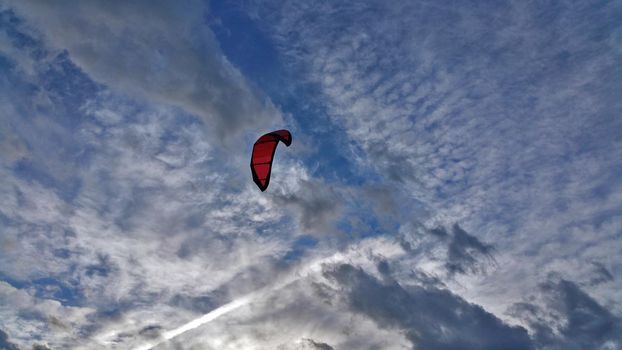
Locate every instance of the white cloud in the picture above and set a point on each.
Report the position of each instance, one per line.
(500, 117)
(160, 50)
(152, 223)
(29, 317)
(128, 206)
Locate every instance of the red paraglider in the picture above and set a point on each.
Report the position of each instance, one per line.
(263, 154)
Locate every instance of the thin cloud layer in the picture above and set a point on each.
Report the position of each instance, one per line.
(465, 253)
(110, 200)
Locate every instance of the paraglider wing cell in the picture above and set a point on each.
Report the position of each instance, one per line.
(263, 155)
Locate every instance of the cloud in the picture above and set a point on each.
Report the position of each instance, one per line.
(100, 210)
(40, 347)
(451, 252)
(600, 274)
(464, 252)
(569, 318)
(159, 50)
(310, 344)
(317, 205)
(122, 219)
(485, 115)
(30, 318)
(294, 308)
(5, 344)
(431, 318)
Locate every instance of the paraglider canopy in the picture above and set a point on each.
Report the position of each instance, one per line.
(263, 155)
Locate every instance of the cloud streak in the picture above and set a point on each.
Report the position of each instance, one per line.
(210, 316)
(231, 306)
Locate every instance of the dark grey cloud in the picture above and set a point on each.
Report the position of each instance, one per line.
(465, 252)
(5, 344)
(138, 167)
(600, 274)
(40, 347)
(310, 344)
(201, 303)
(151, 331)
(432, 318)
(569, 318)
(102, 267)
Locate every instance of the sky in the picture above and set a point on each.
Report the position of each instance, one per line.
(454, 180)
